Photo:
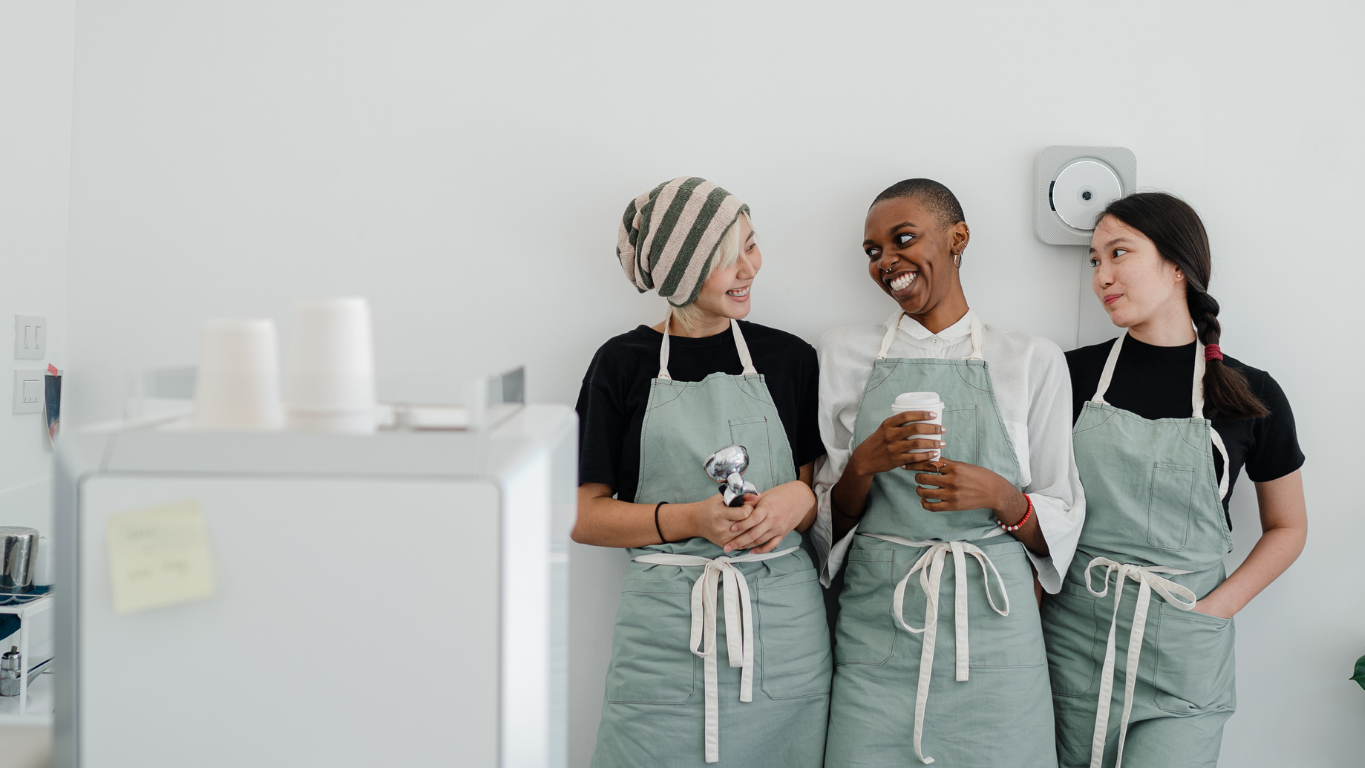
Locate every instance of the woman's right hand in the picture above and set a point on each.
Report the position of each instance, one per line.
(899, 441)
(711, 519)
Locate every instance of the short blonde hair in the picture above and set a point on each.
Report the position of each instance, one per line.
(727, 253)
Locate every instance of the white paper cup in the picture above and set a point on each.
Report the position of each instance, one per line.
(42, 572)
(922, 401)
(330, 381)
(238, 382)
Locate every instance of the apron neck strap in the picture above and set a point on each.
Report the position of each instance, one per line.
(1196, 400)
(743, 349)
(1107, 375)
(1197, 391)
(1197, 403)
(976, 329)
(978, 336)
(740, 346)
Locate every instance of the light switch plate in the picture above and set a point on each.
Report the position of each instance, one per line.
(28, 391)
(30, 337)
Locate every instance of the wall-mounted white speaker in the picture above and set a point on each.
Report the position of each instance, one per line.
(1072, 185)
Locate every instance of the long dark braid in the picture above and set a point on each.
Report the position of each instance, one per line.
(1179, 235)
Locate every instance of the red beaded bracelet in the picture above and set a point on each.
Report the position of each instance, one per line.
(1022, 520)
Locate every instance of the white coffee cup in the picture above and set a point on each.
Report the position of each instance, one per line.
(42, 572)
(922, 401)
(238, 382)
(330, 380)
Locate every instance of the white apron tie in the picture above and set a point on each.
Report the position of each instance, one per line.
(1148, 580)
(930, 568)
(739, 627)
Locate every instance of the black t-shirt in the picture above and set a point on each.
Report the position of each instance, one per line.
(611, 403)
(1157, 383)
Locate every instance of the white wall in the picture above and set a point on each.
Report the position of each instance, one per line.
(465, 165)
(36, 58)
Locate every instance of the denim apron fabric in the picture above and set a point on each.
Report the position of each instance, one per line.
(1154, 524)
(908, 686)
(669, 699)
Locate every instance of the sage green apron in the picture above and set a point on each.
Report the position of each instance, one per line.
(896, 697)
(669, 700)
(1154, 523)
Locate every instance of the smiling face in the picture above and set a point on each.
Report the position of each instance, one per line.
(726, 291)
(911, 255)
(1132, 280)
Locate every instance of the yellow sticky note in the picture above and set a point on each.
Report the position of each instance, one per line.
(158, 556)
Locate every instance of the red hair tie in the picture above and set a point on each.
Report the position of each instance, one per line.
(1212, 352)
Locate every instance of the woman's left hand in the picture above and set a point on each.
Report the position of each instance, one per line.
(960, 486)
(778, 512)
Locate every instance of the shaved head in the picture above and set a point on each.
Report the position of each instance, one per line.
(931, 194)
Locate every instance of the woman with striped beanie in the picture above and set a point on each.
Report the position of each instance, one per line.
(704, 575)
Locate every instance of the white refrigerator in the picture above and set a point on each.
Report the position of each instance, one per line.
(393, 599)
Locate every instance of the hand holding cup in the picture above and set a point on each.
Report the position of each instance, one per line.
(901, 440)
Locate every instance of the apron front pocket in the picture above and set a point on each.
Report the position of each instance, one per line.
(997, 641)
(1168, 512)
(1195, 664)
(752, 433)
(650, 660)
(864, 633)
(793, 637)
(1071, 631)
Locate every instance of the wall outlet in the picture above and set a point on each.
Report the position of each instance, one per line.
(30, 337)
(28, 391)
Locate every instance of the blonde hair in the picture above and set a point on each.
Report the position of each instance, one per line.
(727, 253)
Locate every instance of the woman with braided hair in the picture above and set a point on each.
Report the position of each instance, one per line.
(1164, 422)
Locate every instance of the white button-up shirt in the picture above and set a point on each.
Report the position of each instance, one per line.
(1032, 388)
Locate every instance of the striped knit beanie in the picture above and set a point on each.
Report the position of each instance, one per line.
(670, 234)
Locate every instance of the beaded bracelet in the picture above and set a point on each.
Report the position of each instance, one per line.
(1022, 520)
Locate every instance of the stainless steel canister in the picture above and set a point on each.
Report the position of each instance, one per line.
(11, 664)
(18, 558)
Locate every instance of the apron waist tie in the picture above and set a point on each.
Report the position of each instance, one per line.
(739, 634)
(930, 569)
(1148, 581)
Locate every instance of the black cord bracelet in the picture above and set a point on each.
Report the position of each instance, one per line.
(662, 540)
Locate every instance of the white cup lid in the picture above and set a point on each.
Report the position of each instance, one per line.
(908, 399)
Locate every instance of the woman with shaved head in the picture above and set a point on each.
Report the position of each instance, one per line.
(939, 530)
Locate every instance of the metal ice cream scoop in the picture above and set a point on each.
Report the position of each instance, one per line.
(727, 466)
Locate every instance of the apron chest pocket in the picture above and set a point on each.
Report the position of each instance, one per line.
(959, 432)
(752, 433)
(793, 637)
(650, 660)
(864, 633)
(1168, 512)
(1071, 630)
(1195, 665)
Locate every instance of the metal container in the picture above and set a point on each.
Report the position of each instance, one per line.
(18, 558)
(10, 665)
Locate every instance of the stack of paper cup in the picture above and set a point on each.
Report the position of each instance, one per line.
(329, 384)
(238, 383)
(922, 401)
